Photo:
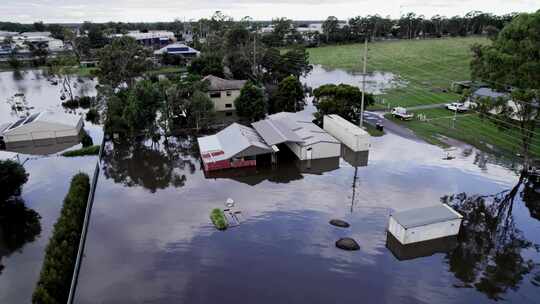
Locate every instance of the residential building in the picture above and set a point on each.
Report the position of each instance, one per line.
(178, 49)
(223, 92)
(233, 147)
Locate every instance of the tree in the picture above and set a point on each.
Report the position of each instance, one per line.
(207, 64)
(201, 110)
(12, 178)
(289, 96)
(39, 26)
(57, 31)
(343, 100)
(330, 28)
(250, 103)
(63, 67)
(513, 60)
(122, 61)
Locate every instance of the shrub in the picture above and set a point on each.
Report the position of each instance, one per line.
(218, 219)
(92, 150)
(12, 177)
(83, 102)
(59, 263)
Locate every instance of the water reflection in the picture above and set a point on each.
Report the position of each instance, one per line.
(147, 164)
(490, 255)
(420, 249)
(18, 225)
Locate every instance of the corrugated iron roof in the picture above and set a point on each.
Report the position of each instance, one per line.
(425, 216)
(220, 84)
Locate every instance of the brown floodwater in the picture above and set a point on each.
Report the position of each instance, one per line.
(48, 181)
(151, 240)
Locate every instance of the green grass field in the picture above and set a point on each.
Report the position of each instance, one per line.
(426, 66)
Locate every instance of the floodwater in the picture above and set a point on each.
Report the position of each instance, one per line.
(376, 82)
(48, 182)
(151, 240)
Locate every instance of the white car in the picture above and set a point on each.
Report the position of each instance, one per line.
(401, 113)
(457, 107)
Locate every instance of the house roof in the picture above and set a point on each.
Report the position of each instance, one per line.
(425, 216)
(487, 92)
(60, 120)
(291, 127)
(230, 142)
(176, 49)
(220, 84)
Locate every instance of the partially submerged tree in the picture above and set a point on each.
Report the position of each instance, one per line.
(250, 105)
(64, 67)
(121, 61)
(207, 64)
(513, 61)
(289, 96)
(343, 100)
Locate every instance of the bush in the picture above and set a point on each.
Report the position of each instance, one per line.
(83, 102)
(86, 140)
(61, 252)
(92, 150)
(218, 219)
(12, 177)
(93, 116)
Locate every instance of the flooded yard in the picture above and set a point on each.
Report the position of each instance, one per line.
(48, 182)
(151, 239)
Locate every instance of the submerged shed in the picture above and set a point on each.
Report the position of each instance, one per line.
(42, 126)
(423, 224)
(352, 136)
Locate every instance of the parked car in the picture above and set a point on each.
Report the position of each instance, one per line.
(456, 106)
(401, 113)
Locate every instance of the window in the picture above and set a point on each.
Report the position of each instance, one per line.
(229, 93)
(228, 113)
(215, 94)
(228, 105)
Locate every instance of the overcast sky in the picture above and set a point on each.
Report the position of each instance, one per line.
(167, 10)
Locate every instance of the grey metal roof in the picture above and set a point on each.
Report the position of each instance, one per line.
(220, 84)
(425, 216)
(487, 92)
(275, 132)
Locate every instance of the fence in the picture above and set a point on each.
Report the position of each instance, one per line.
(82, 241)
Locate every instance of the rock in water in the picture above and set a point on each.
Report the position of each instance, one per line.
(339, 223)
(347, 244)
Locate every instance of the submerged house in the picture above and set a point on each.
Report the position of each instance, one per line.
(223, 92)
(304, 138)
(42, 127)
(233, 147)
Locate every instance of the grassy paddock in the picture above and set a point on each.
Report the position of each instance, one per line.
(426, 66)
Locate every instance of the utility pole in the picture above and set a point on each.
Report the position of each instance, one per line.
(363, 83)
(255, 52)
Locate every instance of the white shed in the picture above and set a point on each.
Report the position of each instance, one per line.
(43, 125)
(300, 134)
(349, 134)
(422, 224)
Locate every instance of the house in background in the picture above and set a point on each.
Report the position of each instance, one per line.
(178, 49)
(223, 92)
(488, 94)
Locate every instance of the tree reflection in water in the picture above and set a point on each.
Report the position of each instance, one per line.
(150, 164)
(18, 225)
(488, 256)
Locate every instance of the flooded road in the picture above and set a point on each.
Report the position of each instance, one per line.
(48, 182)
(151, 239)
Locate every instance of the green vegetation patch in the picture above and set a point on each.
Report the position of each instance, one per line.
(92, 150)
(426, 67)
(218, 219)
(61, 252)
(373, 131)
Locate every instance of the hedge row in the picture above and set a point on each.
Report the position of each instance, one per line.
(61, 252)
(92, 150)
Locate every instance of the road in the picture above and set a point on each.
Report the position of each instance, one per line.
(389, 126)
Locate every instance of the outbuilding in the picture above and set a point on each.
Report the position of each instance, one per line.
(423, 224)
(304, 138)
(43, 126)
(349, 134)
(233, 147)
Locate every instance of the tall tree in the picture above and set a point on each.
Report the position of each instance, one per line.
(250, 105)
(513, 60)
(289, 96)
(343, 100)
(122, 61)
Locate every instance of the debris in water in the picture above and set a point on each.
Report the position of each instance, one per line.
(339, 223)
(347, 244)
(218, 219)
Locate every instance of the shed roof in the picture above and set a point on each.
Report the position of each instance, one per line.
(176, 49)
(487, 92)
(231, 141)
(347, 125)
(291, 127)
(59, 120)
(425, 216)
(220, 84)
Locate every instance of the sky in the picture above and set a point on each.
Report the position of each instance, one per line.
(63, 11)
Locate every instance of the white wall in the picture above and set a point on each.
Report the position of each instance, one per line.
(221, 102)
(424, 233)
(347, 133)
